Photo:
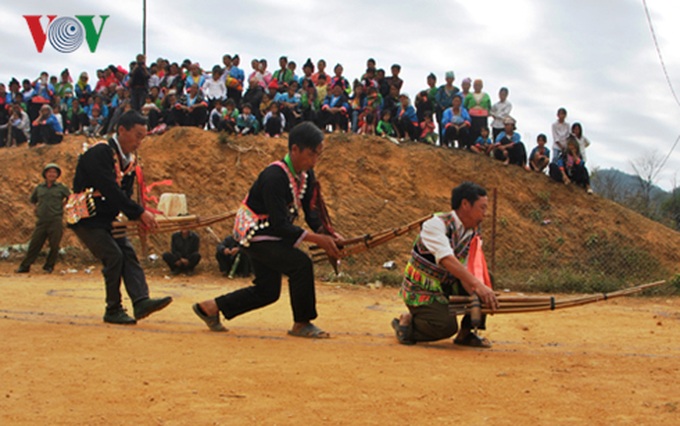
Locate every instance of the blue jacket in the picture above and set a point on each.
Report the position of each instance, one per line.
(449, 118)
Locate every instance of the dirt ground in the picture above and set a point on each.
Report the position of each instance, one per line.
(615, 362)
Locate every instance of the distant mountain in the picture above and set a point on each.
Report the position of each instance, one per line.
(621, 187)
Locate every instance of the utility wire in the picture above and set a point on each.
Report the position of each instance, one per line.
(665, 71)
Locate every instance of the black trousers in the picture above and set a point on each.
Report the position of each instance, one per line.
(476, 124)
(172, 258)
(406, 127)
(120, 262)
(44, 133)
(273, 126)
(44, 230)
(270, 261)
(336, 120)
(434, 322)
(577, 174)
(462, 135)
(138, 97)
(517, 154)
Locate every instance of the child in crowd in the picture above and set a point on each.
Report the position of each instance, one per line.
(499, 111)
(540, 155)
(385, 127)
(570, 167)
(322, 86)
(152, 112)
(229, 115)
(265, 104)
(371, 111)
(216, 114)
(246, 123)
(560, 133)
(96, 122)
(583, 142)
(274, 122)
(483, 144)
(427, 129)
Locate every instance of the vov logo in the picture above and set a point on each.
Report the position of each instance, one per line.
(65, 33)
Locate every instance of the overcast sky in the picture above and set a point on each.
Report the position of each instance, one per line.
(595, 58)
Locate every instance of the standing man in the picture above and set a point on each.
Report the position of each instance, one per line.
(184, 252)
(139, 82)
(438, 268)
(49, 198)
(266, 230)
(109, 170)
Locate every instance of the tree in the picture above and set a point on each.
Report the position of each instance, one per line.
(647, 169)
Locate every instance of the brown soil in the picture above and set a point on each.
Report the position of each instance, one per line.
(615, 362)
(369, 184)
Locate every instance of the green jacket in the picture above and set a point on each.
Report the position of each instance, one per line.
(50, 201)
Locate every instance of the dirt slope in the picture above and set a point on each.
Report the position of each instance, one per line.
(369, 184)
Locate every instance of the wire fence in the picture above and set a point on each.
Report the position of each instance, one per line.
(566, 251)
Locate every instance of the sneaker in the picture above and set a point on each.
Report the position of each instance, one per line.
(148, 306)
(212, 321)
(119, 316)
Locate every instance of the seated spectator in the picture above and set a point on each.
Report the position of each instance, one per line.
(253, 96)
(75, 117)
(310, 103)
(307, 71)
(266, 75)
(289, 103)
(321, 67)
(394, 79)
(83, 90)
(368, 79)
(229, 115)
(444, 98)
(560, 132)
(338, 78)
(46, 128)
(247, 123)
(456, 125)
(407, 119)
(499, 111)
(391, 102)
(383, 85)
(274, 122)
(184, 252)
(43, 87)
(335, 110)
(292, 66)
(213, 88)
(583, 142)
(20, 126)
(425, 100)
(152, 112)
(483, 144)
(265, 104)
(540, 155)
(215, 120)
(571, 167)
(232, 260)
(357, 102)
(428, 132)
(478, 104)
(66, 82)
(371, 112)
(283, 76)
(191, 110)
(385, 127)
(508, 146)
(96, 125)
(173, 80)
(194, 78)
(321, 85)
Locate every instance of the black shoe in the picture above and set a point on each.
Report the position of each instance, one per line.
(23, 270)
(48, 269)
(148, 306)
(119, 316)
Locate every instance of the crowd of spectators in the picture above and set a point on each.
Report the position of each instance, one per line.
(228, 99)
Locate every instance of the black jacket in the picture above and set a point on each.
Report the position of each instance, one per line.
(96, 170)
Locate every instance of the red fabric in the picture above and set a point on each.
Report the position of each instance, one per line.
(146, 190)
(476, 263)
